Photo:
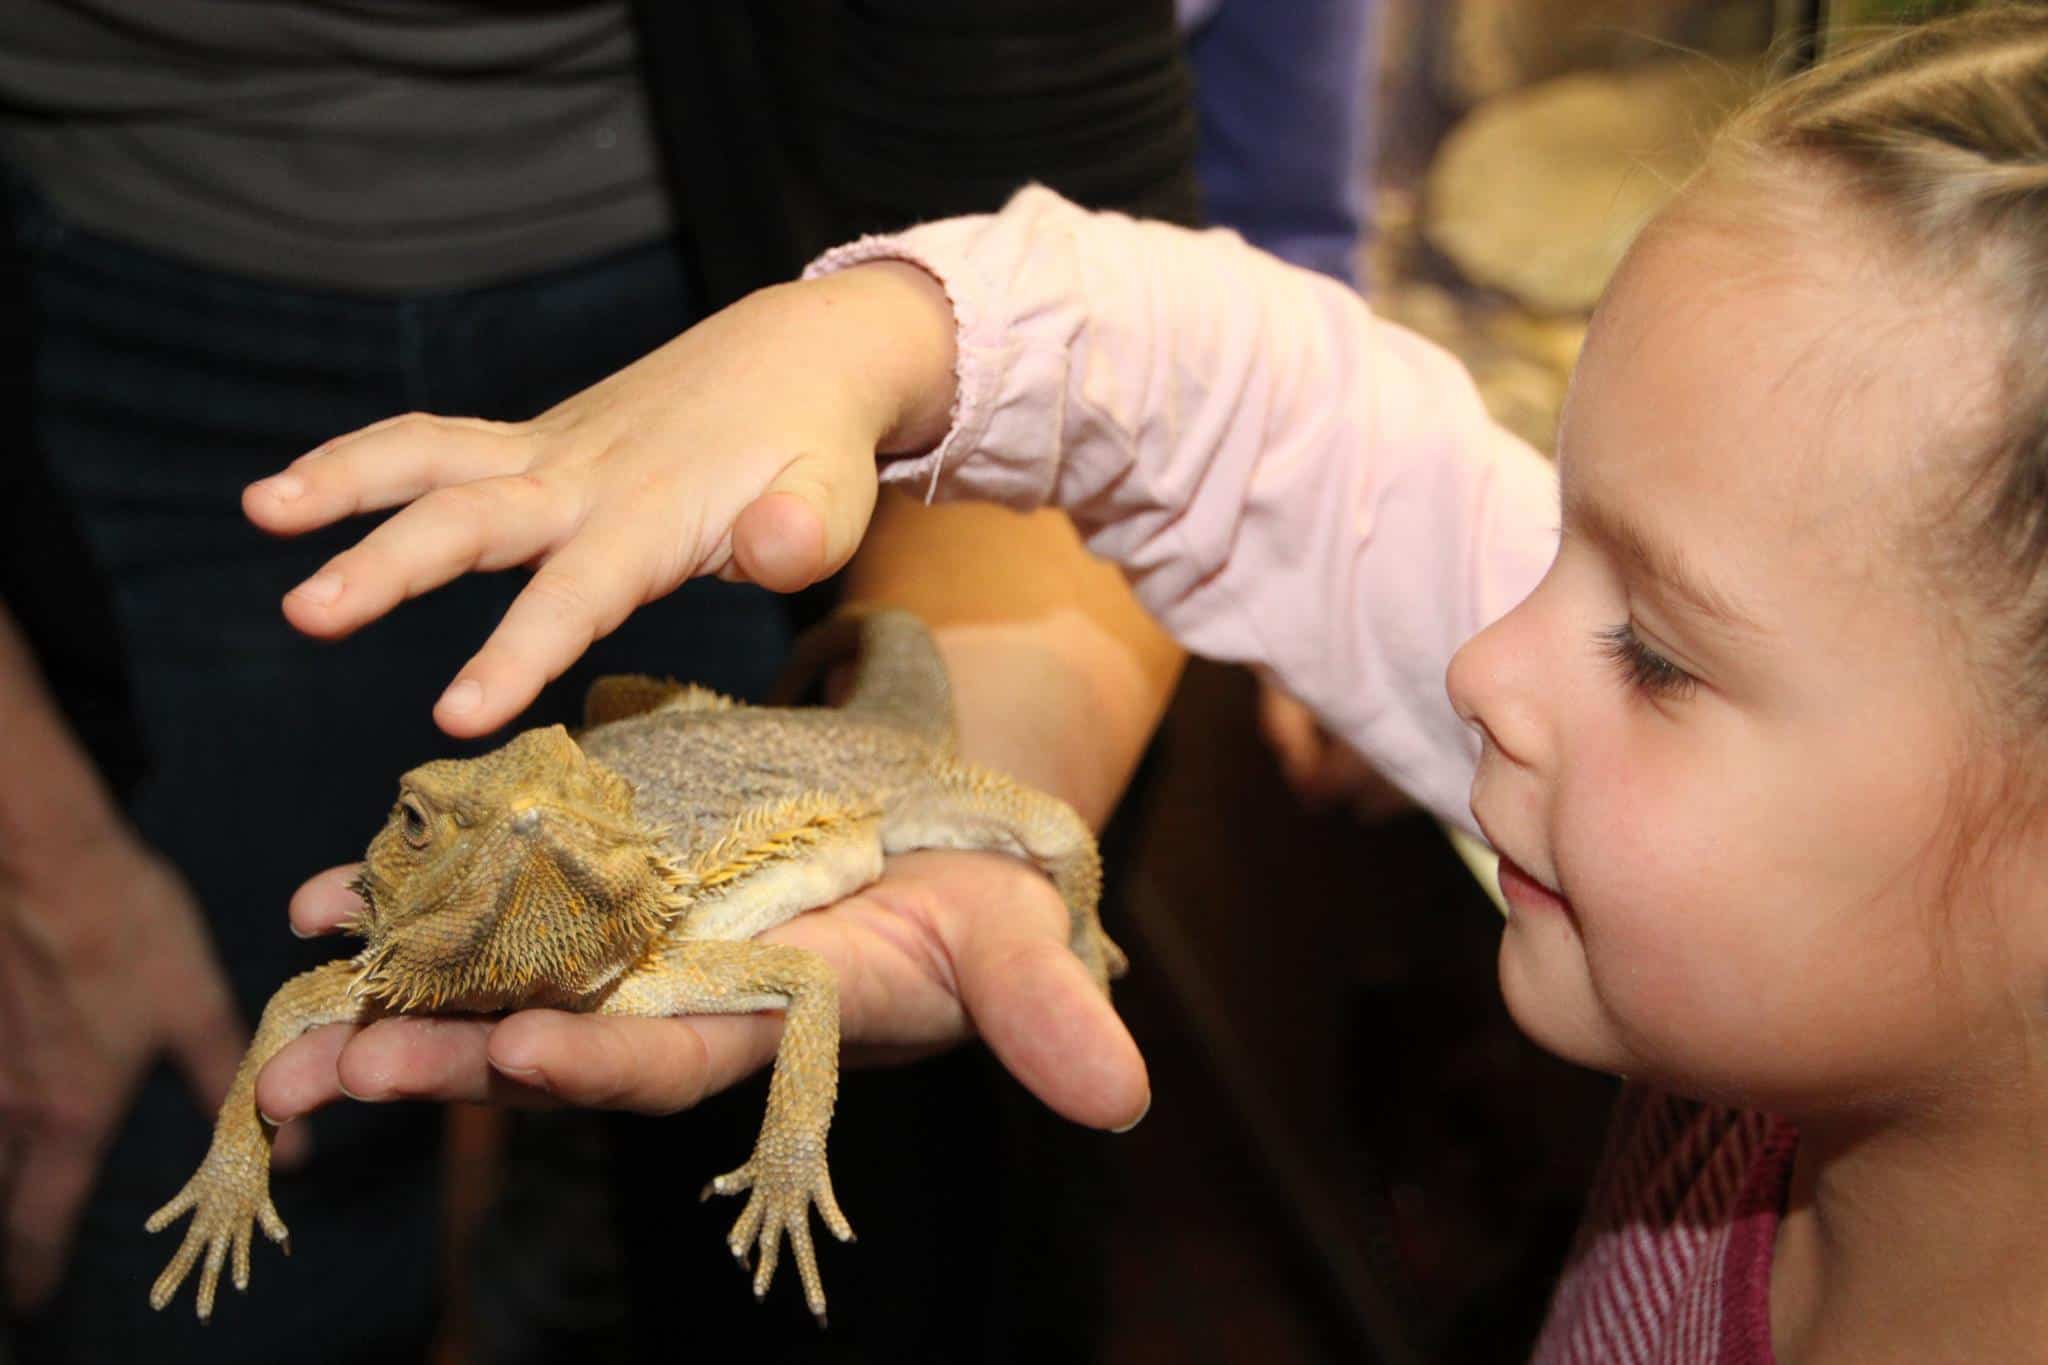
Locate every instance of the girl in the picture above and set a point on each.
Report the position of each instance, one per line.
(1759, 746)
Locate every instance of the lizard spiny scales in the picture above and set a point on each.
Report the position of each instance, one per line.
(627, 871)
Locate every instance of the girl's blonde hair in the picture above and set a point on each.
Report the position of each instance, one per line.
(1940, 131)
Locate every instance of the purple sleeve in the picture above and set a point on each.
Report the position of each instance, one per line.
(1285, 478)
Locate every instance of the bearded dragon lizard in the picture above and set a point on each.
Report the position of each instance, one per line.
(626, 871)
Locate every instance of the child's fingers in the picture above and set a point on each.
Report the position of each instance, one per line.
(488, 524)
(583, 592)
(807, 522)
(391, 462)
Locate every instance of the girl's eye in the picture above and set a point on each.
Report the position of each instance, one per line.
(1644, 668)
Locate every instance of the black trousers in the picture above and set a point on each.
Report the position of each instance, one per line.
(158, 389)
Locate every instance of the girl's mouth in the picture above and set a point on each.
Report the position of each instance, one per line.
(1527, 896)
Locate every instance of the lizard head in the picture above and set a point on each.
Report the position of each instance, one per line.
(516, 878)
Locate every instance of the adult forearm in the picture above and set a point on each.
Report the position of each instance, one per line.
(1059, 676)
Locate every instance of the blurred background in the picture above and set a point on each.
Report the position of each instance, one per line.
(1352, 1154)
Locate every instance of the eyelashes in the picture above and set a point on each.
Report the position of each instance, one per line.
(1643, 668)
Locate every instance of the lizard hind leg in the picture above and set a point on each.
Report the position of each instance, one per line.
(968, 807)
(787, 1174)
(778, 860)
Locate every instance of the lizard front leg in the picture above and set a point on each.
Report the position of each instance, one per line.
(231, 1189)
(787, 1172)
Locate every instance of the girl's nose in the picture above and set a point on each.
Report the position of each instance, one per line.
(1491, 685)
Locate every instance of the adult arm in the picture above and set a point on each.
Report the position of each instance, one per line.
(105, 963)
(1059, 676)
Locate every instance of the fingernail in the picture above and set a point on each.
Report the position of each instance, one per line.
(284, 487)
(525, 1075)
(320, 589)
(297, 932)
(273, 1122)
(359, 1099)
(465, 696)
(1138, 1120)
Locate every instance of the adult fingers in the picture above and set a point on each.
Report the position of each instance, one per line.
(648, 1066)
(417, 1057)
(487, 524)
(384, 464)
(994, 932)
(652, 1066)
(1044, 1017)
(806, 523)
(301, 1077)
(42, 1213)
(428, 1058)
(326, 901)
(583, 592)
(206, 1036)
(1291, 731)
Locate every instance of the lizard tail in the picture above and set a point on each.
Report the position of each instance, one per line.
(896, 675)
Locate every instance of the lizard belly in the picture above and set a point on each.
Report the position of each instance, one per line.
(781, 891)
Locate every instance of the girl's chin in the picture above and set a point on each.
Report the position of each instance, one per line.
(1544, 982)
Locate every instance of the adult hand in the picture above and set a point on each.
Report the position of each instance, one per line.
(745, 447)
(943, 947)
(1321, 769)
(104, 964)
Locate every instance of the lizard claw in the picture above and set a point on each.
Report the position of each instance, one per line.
(227, 1196)
(782, 1193)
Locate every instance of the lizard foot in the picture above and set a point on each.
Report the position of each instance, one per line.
(783, 1191)
(229, 1192)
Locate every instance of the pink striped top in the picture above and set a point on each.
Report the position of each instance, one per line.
(1289, 480)
(1673, 1260)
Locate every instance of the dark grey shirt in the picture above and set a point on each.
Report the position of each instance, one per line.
(370, 145)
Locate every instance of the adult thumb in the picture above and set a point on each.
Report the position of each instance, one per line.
(1050, 1026)
(806, 523)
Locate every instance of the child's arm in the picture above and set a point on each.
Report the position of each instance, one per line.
(1286, 478)
(743, 448)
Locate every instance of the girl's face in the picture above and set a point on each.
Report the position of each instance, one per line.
(1720, 739)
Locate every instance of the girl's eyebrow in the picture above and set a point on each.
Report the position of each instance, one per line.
(1626, 538)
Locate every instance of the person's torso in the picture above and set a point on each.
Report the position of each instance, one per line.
(1672, 1264)
(377, 145)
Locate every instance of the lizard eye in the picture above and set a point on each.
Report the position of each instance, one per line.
(413, 822)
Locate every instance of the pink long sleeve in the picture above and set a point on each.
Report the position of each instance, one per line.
(1286, 479)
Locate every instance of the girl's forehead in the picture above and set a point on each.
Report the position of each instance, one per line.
(1776, 373)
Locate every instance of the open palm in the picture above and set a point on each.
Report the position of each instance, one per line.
(944, 947)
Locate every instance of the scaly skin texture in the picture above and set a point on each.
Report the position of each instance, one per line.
(627, 871)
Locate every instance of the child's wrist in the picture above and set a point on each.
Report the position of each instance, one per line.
(914, 348)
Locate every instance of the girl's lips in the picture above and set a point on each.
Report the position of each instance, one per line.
(1524, 894)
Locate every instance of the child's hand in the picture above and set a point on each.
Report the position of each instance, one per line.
(745, 448)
